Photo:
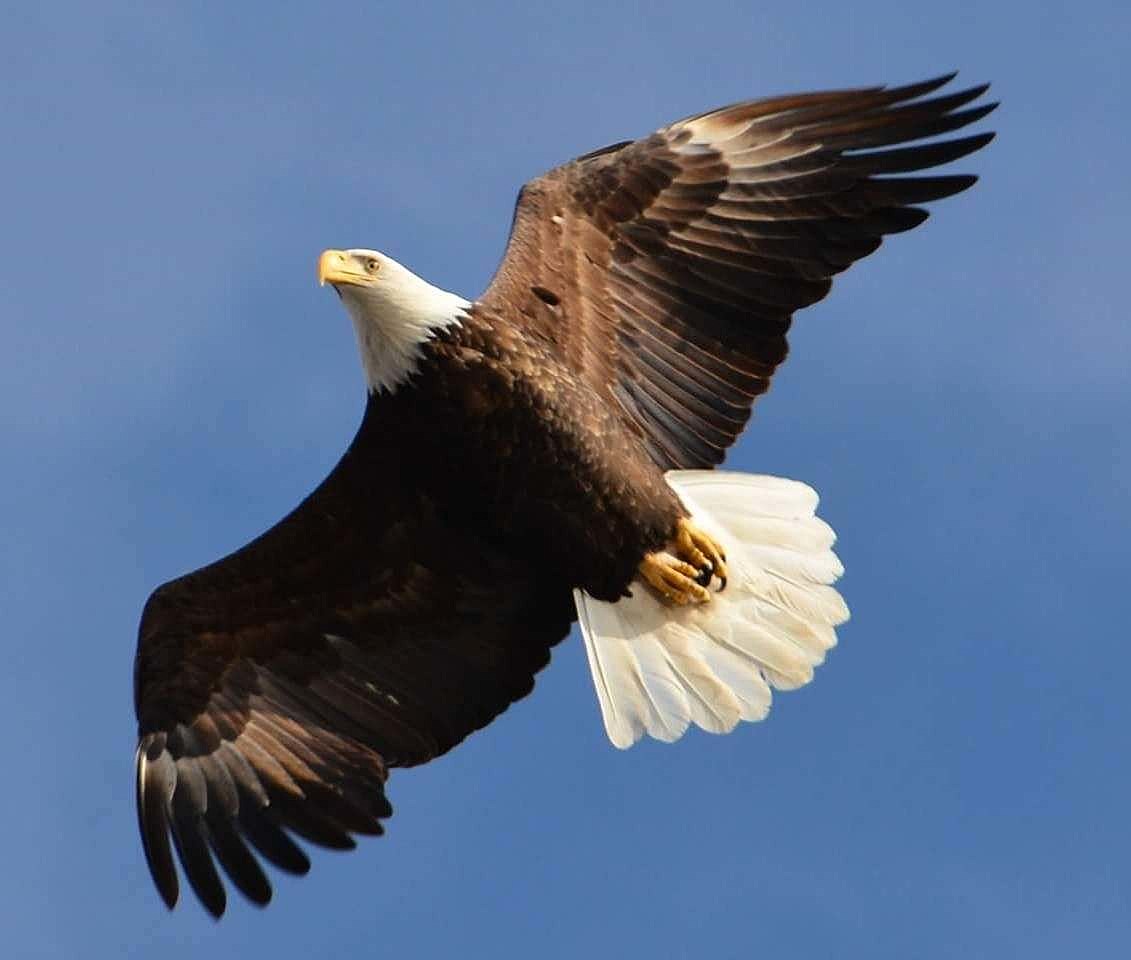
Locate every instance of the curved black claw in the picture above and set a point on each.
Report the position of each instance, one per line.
(705, 575)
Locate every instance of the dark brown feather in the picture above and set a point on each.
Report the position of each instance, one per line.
(277, 686)
(714, 231)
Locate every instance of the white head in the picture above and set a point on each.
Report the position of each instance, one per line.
(394, 312)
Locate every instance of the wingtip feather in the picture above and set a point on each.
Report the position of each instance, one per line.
(156, 780)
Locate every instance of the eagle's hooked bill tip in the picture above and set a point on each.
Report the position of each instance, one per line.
(327, 261)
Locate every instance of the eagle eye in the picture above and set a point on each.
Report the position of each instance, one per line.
(372, 264)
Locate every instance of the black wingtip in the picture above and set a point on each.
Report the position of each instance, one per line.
(975, 142)
(239, 864)
(977, 90)
(169, 894)
(271, 841)
(156, 777)
(932, 83)
(198, 866)
(191, 838)
(948, 103)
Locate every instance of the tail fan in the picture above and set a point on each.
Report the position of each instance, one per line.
(658, 669)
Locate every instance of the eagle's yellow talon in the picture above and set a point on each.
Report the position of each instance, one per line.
(682, 573)
(673, 579)
(701, 550)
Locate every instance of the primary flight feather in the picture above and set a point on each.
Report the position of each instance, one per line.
(537, 456)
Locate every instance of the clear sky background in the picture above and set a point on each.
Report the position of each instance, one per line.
(955, 784)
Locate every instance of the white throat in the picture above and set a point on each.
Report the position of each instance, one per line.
(394, 318)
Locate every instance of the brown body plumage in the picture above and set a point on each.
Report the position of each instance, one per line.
(641, 307)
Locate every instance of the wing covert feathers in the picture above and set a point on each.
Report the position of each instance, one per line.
(659, 669)
(677, 261)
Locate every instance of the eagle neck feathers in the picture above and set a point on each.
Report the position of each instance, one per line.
(393, 326)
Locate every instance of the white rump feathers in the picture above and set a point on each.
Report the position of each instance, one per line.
(658, 668)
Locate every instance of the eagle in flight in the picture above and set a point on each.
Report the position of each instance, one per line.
(537, 456)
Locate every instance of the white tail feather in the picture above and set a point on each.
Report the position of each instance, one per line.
(658, 669)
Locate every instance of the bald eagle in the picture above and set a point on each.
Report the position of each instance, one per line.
(538, 456)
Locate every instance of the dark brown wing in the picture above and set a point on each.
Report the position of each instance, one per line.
(276, 687)
(666, 271)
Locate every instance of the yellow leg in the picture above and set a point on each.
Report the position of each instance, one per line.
(682, 573)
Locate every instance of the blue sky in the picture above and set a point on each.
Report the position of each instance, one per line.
(954, 784)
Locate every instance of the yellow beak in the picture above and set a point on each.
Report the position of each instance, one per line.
(338, 266)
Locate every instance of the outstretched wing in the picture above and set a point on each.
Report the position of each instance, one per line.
(276, 687)
(665, 271)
